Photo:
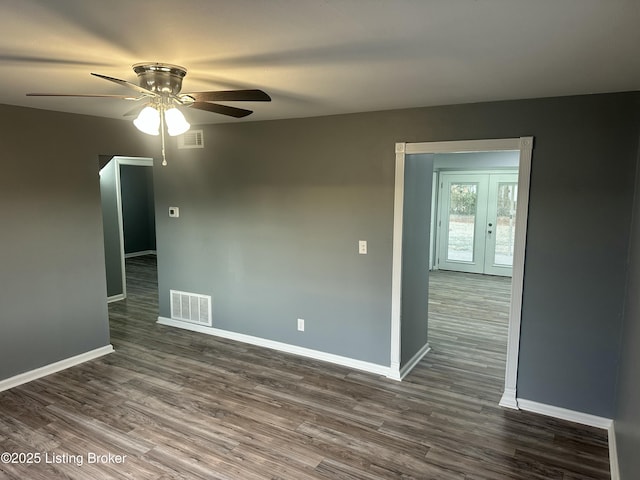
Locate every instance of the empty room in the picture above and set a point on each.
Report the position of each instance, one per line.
(301, 239)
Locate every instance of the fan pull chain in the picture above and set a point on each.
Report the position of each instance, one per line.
(164, 157)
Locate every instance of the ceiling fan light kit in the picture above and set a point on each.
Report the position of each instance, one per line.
(176, 123)
(160, 84)
(148, 121)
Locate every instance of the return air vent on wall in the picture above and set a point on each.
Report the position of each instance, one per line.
(191, 307)
(191, 139)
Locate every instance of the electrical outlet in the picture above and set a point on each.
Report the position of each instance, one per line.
(301, 324)
(362, 247)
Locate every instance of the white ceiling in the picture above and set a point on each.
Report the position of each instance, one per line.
(319, 57)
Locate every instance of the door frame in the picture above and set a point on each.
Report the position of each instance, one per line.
(119, 161)
(525, 146)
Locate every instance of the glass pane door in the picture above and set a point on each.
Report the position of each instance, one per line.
(501, 226)
(463, 203)
(506, 222)
(463, 206)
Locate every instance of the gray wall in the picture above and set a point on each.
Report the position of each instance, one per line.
(271, 213)
(270, 218)
(578, 237)
(138, 217)
(415, 254)
(111, 229)
(52, 274)
(627, 417)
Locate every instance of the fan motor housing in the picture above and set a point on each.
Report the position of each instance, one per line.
(161, 78)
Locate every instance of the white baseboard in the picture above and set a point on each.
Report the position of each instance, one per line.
(578, 417)
(282, 347)
(394, 371)
(11, 382)
(613, 453)
(140, 254)
(404, 371)
(116, 298)
(565, 414)
(508, 399)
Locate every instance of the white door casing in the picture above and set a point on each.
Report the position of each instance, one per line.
(138, 161)
(525, 146)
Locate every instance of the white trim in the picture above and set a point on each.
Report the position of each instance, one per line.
(461, 146)
(525, 146)
(282, 347)
(140, 254)
(120, 225)
(137, 161)
(396, 275)
(613, 452)
(581, 418)
(31, 375)
(565, 414)
(394, 373)
(509, 399)
(404, 371)
(115, 298)
(517, 277)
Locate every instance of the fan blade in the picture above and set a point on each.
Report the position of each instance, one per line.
(135, 111)
(223, 109)
(91, 95)
(124, 83)
(232, 96)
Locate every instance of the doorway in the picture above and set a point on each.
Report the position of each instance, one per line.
(404, 288)
(126, 189)
(475, 230)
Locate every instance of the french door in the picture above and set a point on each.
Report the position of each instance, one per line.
(477, 222)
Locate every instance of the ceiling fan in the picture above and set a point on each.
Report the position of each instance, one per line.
(159, 86)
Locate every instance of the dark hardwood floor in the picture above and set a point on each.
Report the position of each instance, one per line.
(468, 325)
(188, 406)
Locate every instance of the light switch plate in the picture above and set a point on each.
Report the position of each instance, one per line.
(174, 212)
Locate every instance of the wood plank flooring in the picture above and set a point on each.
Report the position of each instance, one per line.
(182, 405)
(468, 326)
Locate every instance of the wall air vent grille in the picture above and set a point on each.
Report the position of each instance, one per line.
(191, 139)
(191, 307)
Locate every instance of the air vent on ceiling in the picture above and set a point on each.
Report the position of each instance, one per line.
(191, 307)
(191, 139)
